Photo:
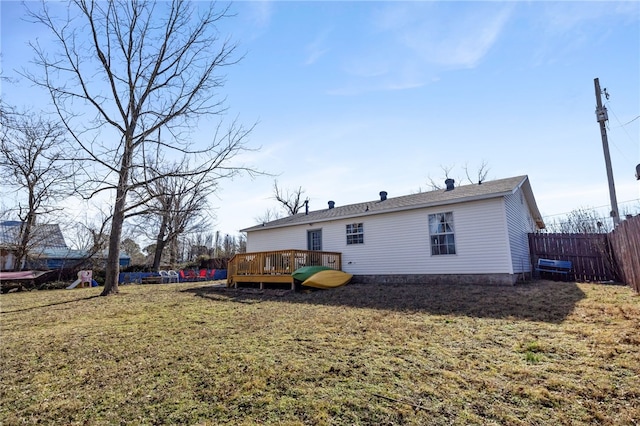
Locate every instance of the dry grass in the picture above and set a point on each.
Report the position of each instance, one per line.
(539, 353)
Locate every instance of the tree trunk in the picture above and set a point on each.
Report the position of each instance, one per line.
(162, 232)
(113, 257)
(25, 240)
(160, 243)
(21, 252)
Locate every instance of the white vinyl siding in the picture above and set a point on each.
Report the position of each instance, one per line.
(294, 237)
(520, 223)
(398, 243)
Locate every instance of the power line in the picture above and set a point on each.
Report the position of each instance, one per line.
(592, 208)
(628, 122)
(625, 131)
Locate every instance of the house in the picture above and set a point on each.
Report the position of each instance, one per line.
(60, 258)
(47, 248)
(466, 234)
(43, 236)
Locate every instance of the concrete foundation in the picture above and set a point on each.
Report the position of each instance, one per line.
(478, 279)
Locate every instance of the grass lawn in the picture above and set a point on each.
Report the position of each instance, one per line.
(537, 353)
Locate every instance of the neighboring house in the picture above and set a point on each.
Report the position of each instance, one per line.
(47, 248)
(470, 233)
(43, 236)
(59, 258)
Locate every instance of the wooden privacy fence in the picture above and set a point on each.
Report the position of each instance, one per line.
(625, 245)
(595, 257)
(589, 254)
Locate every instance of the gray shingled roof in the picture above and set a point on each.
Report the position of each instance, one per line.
(71, 254)
(44, 235)
(463, 193)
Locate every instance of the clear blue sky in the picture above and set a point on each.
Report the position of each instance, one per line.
(352, 98)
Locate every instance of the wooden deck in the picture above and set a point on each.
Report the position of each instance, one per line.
(276, 266)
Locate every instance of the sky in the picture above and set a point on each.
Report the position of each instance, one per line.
(353, 98)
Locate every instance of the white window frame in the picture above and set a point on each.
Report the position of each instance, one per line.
(355, 233)
(442, 234)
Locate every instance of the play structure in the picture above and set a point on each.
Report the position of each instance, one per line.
(84, 277)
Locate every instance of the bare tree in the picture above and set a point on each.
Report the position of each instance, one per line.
(481, 173)
(432, 184)
(199, 245)
(89, 233)
(241, 243)
(141, 68)
(33, 161)
(290, 200)
(435, 185)
(581, 221)
(4, 212)
(630, 210)
(268, 215)
(174, 205)
(229, 246)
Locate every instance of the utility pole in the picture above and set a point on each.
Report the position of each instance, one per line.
(601, 114)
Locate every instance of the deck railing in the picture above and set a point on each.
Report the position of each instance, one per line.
(277, 266)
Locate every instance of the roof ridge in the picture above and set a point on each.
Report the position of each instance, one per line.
(486, 189)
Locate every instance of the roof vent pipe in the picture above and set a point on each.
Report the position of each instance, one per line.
(332, 204)
(306, 206)
(450, 184)
(383, 195)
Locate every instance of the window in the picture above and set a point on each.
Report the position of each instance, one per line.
(355, 234)
(314, 239)
(441, 233)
